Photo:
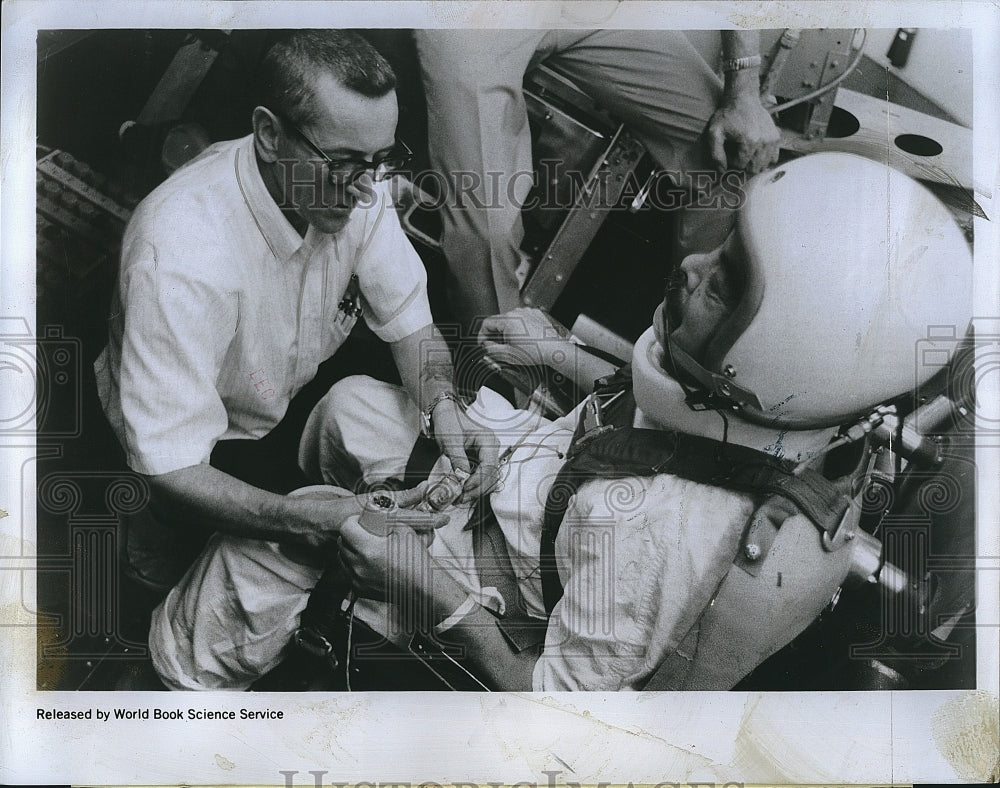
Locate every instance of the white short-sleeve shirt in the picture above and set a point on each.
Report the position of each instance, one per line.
(223, 312)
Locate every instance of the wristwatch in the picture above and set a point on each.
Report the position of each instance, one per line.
(428, 412)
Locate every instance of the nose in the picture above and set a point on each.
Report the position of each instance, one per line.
(695, 267)
(362, 185)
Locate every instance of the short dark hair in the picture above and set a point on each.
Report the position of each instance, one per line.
(291, 62)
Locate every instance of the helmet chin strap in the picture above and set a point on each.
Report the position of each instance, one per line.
(711, 391)
(697, 399)
(663, 401)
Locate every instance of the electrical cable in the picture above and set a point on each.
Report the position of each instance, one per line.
(801, 467)
(505, 462)
(350, 638)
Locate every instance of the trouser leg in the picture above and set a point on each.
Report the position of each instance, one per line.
(660, 83)
(362, 431)
(480, 142)
(231, 617)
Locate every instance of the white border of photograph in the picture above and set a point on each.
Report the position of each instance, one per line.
(872, 737)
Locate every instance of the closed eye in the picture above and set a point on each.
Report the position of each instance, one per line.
(716, 290)
(724, 285)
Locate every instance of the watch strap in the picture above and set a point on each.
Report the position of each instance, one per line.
(428, 412)
(741, 63)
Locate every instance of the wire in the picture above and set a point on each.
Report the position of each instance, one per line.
(505, 462)
(801, 467)
(350, 637)
(832, 83)
(537, 447)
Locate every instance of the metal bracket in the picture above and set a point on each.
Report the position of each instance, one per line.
(822, 107)
(600, 195)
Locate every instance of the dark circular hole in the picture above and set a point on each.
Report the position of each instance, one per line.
(842, 124)
(918, 145)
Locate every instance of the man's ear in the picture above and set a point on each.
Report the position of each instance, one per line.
(266, 134)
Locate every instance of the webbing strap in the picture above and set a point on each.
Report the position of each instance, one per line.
(626, 451)
(490, 554)
(317, 624)
(492, 560)
(493, 565)
(672, 672)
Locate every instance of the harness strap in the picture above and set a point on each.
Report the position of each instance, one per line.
(318, 623)
(490, 554)
(492, 560)
(672, 672)
(615, 451)
(494, 567)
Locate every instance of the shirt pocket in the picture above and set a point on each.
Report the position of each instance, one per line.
(349, 309)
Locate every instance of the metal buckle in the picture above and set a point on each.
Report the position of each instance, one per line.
(847, 528)
(592, 418)
(313, 643)
(351, 306)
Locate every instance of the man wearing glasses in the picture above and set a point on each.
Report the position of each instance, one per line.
(240, 275)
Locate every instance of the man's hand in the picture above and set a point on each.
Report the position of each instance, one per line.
(462, 440)
(385, 567)
(525, 337)
(749, 130)
(741, 133)
(338, 507)
(398, 569)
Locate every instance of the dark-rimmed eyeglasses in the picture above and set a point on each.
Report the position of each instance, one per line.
(348, 170)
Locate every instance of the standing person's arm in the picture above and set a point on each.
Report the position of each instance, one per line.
(741, 123)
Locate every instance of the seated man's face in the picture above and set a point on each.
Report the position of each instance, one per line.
(348, 127)
(700, 295)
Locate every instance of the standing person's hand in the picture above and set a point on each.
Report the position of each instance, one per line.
(742, 135)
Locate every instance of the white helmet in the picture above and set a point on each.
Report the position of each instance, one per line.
(849, 263)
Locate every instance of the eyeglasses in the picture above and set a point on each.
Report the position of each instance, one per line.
(348, 170)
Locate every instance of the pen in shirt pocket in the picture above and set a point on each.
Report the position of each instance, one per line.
(349, 309)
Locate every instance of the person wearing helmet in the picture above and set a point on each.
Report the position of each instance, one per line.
(805, 318)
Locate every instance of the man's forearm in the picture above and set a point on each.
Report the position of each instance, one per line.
(424, 364)
(737, 44)
(224, 503)
(581, 367)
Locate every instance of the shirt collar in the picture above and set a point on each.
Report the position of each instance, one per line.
(277, 231)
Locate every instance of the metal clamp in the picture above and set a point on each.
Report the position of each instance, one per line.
(846, 530)
(592, 418)
(316, 645)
